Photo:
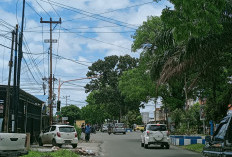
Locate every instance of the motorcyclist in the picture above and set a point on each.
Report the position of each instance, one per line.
(110, 129)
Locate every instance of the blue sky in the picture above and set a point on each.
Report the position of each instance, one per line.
(90, 30)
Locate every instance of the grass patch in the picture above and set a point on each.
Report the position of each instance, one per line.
(194, 147)
(59, 153)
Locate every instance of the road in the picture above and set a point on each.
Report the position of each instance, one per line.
(129, 146)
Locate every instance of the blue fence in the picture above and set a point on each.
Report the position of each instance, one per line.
(186, 140)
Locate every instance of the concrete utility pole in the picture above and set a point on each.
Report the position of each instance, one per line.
(14, 101)
(6, 118)
(50, 79)
(20, 56)
(66, 98)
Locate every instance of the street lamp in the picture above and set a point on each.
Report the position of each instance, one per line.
(60, 84)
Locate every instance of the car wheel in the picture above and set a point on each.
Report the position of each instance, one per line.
(146, 146)
(142, 144)
(167, 146)
(40, 142)
(59, 145)
(124, 133)
(74, 145)
(162, 146)
(54, 142)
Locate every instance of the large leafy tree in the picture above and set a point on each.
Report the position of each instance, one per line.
(106, 85)
(189, 46)
(72, 112)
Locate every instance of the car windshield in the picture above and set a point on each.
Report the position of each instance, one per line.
(156, 127)
(119, 125)
(66, 129)
(140, 126)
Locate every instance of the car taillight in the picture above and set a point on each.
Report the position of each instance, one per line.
(148, 132)
(58, 134)
(75, 134)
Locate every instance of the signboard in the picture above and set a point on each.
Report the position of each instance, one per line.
(48, 40)
(64, 118)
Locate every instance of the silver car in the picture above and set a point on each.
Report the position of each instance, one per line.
(156, 134)
(57, 135)
(119, 128)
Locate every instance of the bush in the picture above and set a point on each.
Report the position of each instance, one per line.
(78, 130)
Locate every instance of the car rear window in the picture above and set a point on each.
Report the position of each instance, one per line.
(156, 127)
(66, 129)
(119, 125)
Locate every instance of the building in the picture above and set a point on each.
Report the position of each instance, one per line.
(30, 113)
(159, 115)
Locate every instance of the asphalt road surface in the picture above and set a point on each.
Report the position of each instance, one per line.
(129, 145)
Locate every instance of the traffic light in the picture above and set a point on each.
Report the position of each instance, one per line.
(58, 105)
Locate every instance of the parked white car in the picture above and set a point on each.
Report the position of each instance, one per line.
(156, 134)
(12, 144)
(57, 135)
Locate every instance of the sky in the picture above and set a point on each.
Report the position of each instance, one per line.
(90, 30)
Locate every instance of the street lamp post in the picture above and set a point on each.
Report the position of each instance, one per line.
(61, 83)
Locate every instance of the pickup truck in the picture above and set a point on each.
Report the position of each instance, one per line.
(12, 144)
(220, 144)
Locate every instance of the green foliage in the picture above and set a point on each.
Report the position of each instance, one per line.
(195, 18)
(78, 130)
(195, 147)
(106, 93)
(72, 112)
(59, 153)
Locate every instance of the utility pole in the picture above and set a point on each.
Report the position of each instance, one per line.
(6, 118)
(50, 79)
(66, 98)
(20, 56)
(14, 83)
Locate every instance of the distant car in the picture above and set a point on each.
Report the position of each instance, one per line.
(156, 134)
(104, 128)
(119, 128)
(139, 127)
(57, 135)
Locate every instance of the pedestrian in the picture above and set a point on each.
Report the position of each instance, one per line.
(87, 132)
(83, 127)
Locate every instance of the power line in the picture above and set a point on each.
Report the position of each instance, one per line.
(86, 13)
(43, 8)
(53, 8)
(113, 10)
(33, 9)
(81, 32)
(100, 41)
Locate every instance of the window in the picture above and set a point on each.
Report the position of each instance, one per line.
(53, 128)
(66, 129)
(156, 128)
(47, 129)
(119, 125)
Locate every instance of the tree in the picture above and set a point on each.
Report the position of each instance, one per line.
(189, 47)
(106, 86)
(72, 112)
